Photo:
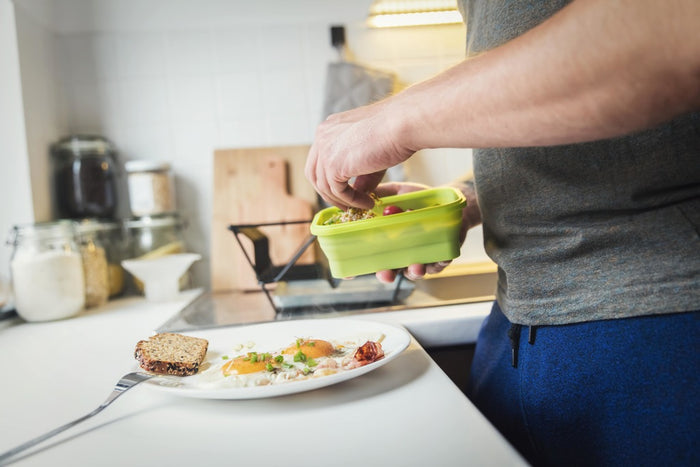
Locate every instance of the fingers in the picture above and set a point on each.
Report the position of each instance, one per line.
(398, 188)
(349, 146)
(415, 271)
(338, 191)
(412, 272)
(387, 276)
(333, 187)
(387, 189)
(368, 183)
(435, 268)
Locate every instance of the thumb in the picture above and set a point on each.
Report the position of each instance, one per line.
(367, 183)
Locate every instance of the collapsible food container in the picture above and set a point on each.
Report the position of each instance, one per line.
(427, 231)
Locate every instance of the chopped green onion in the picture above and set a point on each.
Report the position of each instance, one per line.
(300, 357)
(311, 362)
(279, 359)
(269, 367)
(224, 357)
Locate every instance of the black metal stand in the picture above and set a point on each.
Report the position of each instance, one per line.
(267, 273)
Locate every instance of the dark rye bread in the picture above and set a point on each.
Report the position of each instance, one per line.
(171, 354)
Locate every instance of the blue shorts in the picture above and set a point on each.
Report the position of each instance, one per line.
(616, 392)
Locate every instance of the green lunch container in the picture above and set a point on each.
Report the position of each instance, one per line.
(428, 233)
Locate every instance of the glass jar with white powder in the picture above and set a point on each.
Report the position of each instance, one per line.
(151, 188)
(47, 271)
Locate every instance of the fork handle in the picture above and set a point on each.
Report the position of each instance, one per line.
(118, 391)
(16, 450)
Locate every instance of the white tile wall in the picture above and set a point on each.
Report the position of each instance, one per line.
(177, 94)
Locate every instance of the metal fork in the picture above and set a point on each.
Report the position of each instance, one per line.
(126, 382)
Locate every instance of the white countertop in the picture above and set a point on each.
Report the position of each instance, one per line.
(407, 412)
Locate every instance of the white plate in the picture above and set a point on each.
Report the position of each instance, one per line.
(269, 337)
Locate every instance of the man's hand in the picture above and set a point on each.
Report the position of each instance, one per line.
(359, 144)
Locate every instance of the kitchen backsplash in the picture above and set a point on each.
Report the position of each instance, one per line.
(177, 94)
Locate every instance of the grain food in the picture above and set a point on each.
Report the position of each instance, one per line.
(351, 214)
(171, 354)
(354, 214)
(151, 188)
(96, 275)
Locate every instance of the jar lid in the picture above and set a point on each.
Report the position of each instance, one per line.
(143, 165)
(167, 220)
(52, 229)
(80, 145)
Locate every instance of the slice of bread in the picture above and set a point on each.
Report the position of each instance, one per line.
(171, 354)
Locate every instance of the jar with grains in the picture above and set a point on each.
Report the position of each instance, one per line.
(95, 266)
(47, 271)
(85, 177)
(112, 238)
(151, 188)
(154, 237)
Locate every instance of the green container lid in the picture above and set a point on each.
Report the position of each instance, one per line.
(426, 232)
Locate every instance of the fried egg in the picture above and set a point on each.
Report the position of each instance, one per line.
(252, 362)
(304, 358)
(311, 348)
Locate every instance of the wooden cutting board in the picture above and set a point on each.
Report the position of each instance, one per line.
(254, 186)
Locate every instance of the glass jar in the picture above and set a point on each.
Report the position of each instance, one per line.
(47, 271)
(151, 188)
(112, 237)
(84, 177)
(94, 254)
(153, 237)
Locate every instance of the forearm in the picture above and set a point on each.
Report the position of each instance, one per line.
(471, 214)
(596, 69)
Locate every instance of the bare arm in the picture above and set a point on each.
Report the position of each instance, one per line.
(596, 69)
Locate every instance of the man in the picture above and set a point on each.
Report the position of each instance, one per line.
(589, 193)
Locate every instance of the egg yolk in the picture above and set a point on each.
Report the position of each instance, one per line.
(312, 348)
(245, 364)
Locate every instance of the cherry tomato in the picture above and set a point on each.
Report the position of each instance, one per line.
(391, 209)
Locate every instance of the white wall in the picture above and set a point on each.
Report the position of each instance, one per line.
(44, 105)
(15, 187)
(173, 80)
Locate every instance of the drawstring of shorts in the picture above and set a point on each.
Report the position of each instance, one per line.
(514, 336)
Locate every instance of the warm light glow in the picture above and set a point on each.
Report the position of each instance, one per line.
(383, 7)
(395, 13)
(423, 18)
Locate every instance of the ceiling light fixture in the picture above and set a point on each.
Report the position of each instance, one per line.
(396, 13)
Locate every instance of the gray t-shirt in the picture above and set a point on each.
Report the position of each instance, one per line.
(600, 230)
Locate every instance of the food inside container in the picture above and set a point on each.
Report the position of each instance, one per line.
(95, 264)
(85, 177)
(47, 271)
(424, 229)
(151, 188)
